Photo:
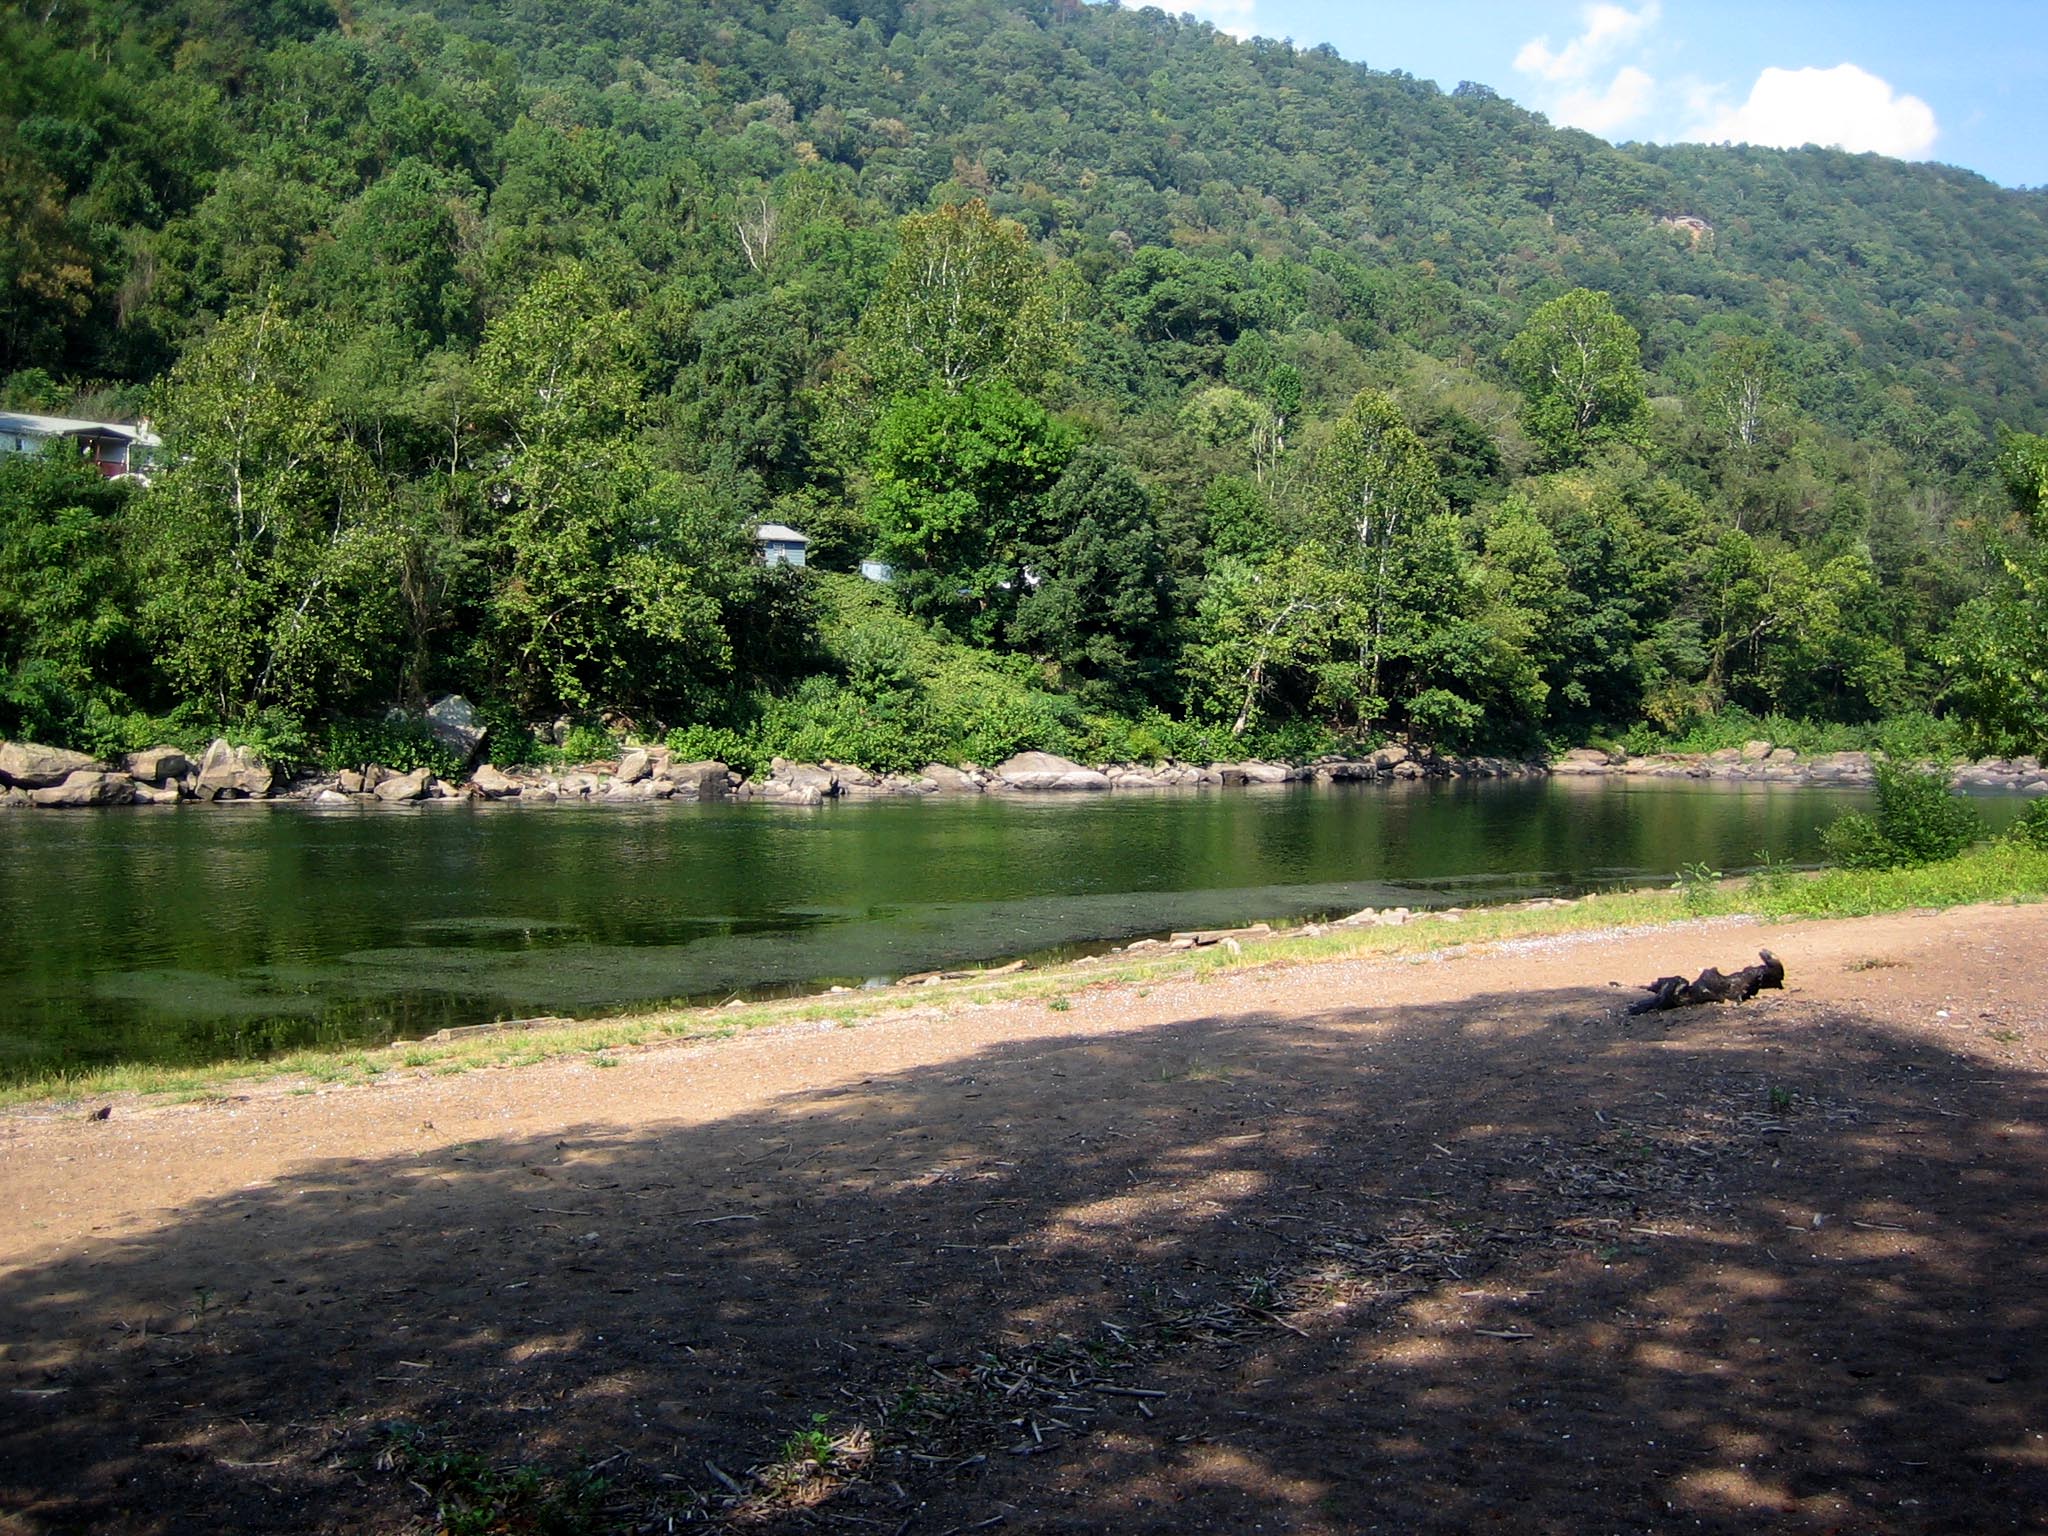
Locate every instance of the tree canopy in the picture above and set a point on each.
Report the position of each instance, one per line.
(1198, 391)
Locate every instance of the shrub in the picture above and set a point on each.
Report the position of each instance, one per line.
(588, 743)
(399, 744)
(716, 743)
(1914, 734)
(1699, 887)
(1292, 741)
(1917, 822)
(1440, 719)
(2031, 830)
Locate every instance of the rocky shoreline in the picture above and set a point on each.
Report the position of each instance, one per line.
(1759, 762)
(54, 779)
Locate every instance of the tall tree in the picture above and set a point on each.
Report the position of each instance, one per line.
(67, 631)
(1095, 602)
(1580, 365)
(265, 559)
(1998, 645)
(1374, 494)
(959, 483)
(607, 572)
(966, 301)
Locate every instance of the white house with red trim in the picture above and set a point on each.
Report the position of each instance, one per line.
(116, 448)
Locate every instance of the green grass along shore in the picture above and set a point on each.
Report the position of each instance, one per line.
(1997, 871)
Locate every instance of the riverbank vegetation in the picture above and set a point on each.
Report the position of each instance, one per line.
(2008, 869)
(1203, 398)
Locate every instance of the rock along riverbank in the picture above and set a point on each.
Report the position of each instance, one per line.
(51, 778)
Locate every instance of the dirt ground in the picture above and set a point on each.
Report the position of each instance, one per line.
(1445, 1244)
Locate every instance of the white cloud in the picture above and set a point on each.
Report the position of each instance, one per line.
(1232, 16)
(1609, 30)
(1576, 97)
(1628, 96)
(1846, 107)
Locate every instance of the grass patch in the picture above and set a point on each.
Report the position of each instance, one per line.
(1997, 871)
(476, 1497)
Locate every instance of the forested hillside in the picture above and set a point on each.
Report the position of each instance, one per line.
(1203, 396)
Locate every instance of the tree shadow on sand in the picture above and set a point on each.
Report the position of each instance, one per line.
(1512, 1263)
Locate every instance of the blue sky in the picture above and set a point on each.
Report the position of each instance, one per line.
(1965, 82)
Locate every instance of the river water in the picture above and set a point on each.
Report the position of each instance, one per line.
(205, 933)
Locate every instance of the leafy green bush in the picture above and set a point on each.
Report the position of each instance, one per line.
(1699, 887)
(511, 743)
(2032, 827)
(715, 743)
(1853, 841)
(107, 732)
(1913, 735)
(1771, 877)
(588, 744)
(1291, 741)
(1917, 822)
(825, 719)
(1441, 719)
(400, 744)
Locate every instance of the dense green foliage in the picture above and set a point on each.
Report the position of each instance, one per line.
(2031, 830)
(1204, 395)
(1918, 821)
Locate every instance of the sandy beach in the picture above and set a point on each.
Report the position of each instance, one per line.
(1437, 1243)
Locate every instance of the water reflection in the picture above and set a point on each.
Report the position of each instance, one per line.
(198, 933)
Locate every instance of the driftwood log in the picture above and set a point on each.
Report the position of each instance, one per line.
(1710, 986)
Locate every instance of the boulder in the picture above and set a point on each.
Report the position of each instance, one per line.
(158, 794)
(783, 792)
(1581, 760)
(1755, 751)
(1390, 755)
(24, 765)
(706, 779)
(349, 782)
(633, 767)
(329, 799)
(493, 784)
(851, 777)
(157, 764)
(1783, 755)
(86, 787)
(578, 785)
(1138, 778)
(1842, 768)
(952, 781)
(228, 771)
(404, 787)
(455, 725)
(1043, 771)
(638, 790)
(803, 776)
(1261, 773)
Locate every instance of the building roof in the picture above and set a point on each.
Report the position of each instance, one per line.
(22, 422)
(777, 533)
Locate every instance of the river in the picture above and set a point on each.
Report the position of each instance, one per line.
(208, 933)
